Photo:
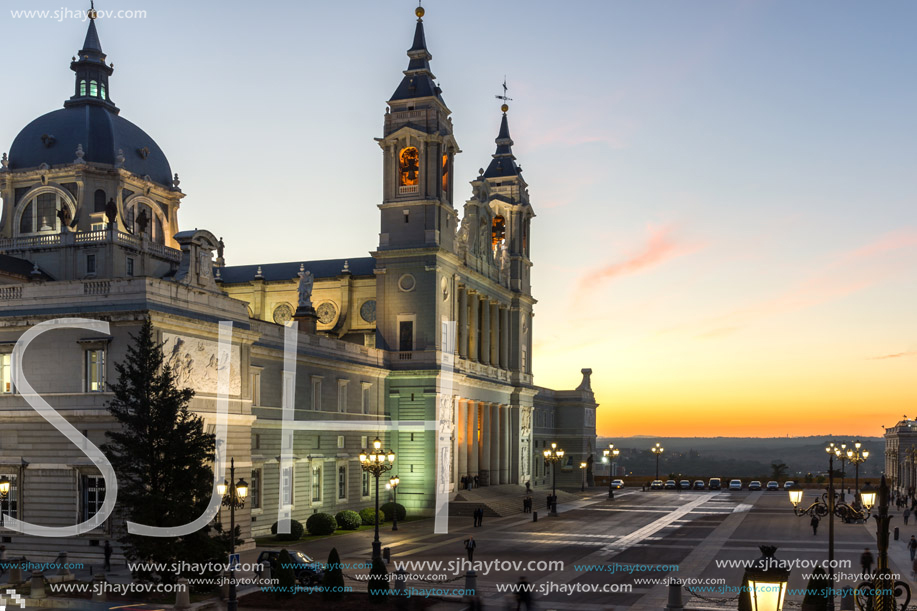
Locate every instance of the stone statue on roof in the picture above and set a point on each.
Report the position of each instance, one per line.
(306, 281)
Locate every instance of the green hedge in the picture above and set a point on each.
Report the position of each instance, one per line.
(295, 534)
(321, 524)
(390, 509)
(348, 520)
(368, 516)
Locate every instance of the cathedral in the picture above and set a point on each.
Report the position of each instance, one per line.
(425, 343)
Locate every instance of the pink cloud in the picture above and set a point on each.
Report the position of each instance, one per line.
(660, 246)
(890, 242)
(894, 356)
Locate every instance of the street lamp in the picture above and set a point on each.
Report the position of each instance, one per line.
(552, 456)
(856, 457)
(881, 593)
(613, 452)
(393, 482)
(377, 461)
(657, 450)
(4, 493)
(842, 454)
(767, 580)
(582, 466)
(234, 498)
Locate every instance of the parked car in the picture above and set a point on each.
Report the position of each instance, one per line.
(735, 484)
(684, 484)
(699, 484)
(307, 571)
(789, 484)
(617, 483)
(772, 485)
(657, 484)
(754, 485)
(670, 484)
(715, 483)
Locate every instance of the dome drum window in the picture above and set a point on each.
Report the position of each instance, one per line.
(42, 214)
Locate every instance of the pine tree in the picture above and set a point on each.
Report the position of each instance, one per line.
(334, 577)
(162, 457)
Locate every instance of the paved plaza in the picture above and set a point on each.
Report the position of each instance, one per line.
(690, 529)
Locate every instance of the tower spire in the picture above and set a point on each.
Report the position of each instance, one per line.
(91, 86)
(504, 162)
(418, 81)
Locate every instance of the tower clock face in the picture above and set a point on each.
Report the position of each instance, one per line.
(326, 312)
(368, 311)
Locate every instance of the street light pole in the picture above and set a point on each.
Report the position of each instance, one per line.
(832, 452)
(376, 462)
(394, 483)
(582, 467)
(4, 493)
(553, 456)
(233, 497)
(657, 450)
(856, 457)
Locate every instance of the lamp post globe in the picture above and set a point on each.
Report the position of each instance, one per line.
(552, 456)
(393, 482)
(376, 462)
(657, 450)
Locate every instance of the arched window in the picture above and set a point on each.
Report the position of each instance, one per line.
(498, 231)
(410, 166)
(102, 89)
(159, 235)
(445, 174)
(93, 89)
(83, 87)
(98, 204)
(40, 214)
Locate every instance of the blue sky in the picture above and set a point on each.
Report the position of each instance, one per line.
(725, 191)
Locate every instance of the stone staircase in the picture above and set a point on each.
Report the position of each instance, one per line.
(501, 501)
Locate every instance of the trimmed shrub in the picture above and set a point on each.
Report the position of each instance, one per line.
(321, 524)
(390, 509)
(286, 579)
(378, 582)
(348, 520)
(368, 516)
(334, 576)
(815, 599)
(295, 534)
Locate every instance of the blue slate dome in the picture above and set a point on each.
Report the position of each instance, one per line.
(91, 120)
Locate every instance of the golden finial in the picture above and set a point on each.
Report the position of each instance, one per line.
(504, 108)
(419, 12)
(92, 10)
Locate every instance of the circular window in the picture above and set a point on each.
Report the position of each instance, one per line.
(368, 310)
(407, 283)
(326, 312)
(283, 314)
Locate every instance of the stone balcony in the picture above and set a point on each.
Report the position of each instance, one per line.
(81, 238)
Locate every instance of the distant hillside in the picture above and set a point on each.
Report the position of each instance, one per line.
(738, 456)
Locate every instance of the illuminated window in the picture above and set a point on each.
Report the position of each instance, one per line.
(102, 90)
(445, 173)
(10, 505)
(6, 373)
(410, 166)
(93, 89)
(498, 231)
(83, 87)
(95, 370)
(364, 486)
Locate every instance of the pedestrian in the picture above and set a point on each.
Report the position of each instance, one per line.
(907, 514)
(866, 562)
(476, 480)
(481, 516)
(474, 514)
(2, 559)
(524, 595)
(107, 551)
(525, 505)
(914, 569)
(912, 546)
(814, 523)
(469, 547)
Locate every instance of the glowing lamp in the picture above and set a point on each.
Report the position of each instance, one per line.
(869, 499)
(796, 497)
(221, 488)
(767, 580)
(377, 444)
(242, 488)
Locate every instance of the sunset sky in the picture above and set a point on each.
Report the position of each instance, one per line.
(726, 191)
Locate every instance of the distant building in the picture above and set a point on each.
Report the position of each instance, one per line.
(901, 454)
(90, 229)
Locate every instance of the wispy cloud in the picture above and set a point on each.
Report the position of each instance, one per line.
(898, 355)
(660, 245)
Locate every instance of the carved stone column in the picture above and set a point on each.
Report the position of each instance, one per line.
(461, 439)
(504, 341)
(495, 334)
(463, 322)
(485, 444)
(506, 444)
(474, 447)
(485, 331)
(473, 335)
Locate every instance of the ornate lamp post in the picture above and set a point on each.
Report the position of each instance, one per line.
(883, 592)
(582, 467)
(377, 461)
(657, 450)
(856, 457)
(552, 456)
(234, 498)
(842, 454)
(393, 482)
(612, 452)
(767, 580)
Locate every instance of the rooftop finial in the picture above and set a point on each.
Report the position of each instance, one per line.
(92, 10)
(419, 10)
(503, 97)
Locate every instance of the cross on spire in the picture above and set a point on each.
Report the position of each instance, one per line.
(503, 97)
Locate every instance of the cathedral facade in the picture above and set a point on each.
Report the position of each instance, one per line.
(425, 343)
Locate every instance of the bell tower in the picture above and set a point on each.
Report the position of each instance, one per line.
(418, 151)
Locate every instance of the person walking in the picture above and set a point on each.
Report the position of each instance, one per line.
(814, 523)
(866, 562)
(912, 546)
(107, 551)
(469, 547)
(524, 595)
(474, 515)
(907, 514)
(481, 516)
